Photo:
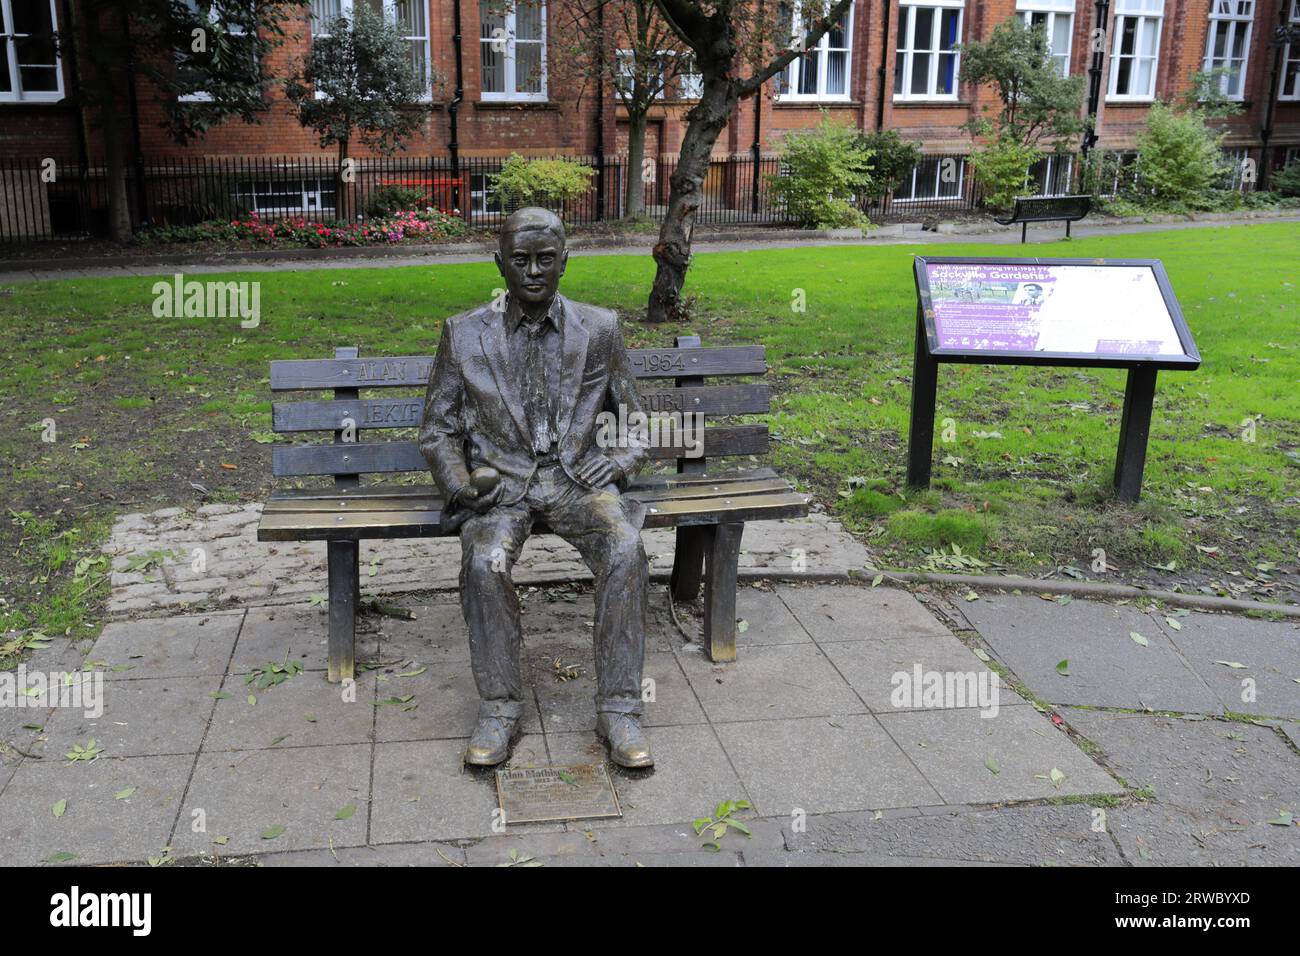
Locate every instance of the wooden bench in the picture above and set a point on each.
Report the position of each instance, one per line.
(708, 507)
(1047, 209)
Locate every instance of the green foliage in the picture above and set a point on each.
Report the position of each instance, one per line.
(827, 169)
(1286, 181)
(950, 526)
(892, 160)
(390, 200)
(358, 80)
(545, 182)
(1003, 170)
(1102, 174)
(1038, 104)
(1180, 160)
(1206, 95)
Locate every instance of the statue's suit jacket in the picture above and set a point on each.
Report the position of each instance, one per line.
(474, 412)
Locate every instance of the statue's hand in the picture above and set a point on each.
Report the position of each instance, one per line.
(599, 471)
(469, 497)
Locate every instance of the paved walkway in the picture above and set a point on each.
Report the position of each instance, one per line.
(172, 559)
(893, 234)
(808, 726)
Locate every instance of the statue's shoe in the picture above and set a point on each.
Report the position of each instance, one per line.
(627, 744)
(490, 744)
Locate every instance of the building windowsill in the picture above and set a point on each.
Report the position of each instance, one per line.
(514, 105)
(816, 104)
(930, 104)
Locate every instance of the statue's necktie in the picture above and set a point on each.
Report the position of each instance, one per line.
(537, 400)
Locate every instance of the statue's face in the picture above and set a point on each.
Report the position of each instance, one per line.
(532, 262)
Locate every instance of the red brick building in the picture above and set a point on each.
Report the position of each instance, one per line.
(890, 65)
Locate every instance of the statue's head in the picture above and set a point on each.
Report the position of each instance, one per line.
(531, 255)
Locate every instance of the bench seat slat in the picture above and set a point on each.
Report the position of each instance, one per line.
(315, 526)
(409, 371)
(354, 458)
(424, 501)
(405, 412)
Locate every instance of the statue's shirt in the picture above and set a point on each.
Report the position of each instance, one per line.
(535, 351)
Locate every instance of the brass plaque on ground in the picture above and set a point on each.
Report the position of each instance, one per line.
(536, 794)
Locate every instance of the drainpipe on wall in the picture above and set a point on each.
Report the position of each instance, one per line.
(1101, 17)
(756, 148)
(1283, 34)
(453, 108)
(883, 73)
(600, 115)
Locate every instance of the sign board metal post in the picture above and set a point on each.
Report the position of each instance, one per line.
(1098, 313)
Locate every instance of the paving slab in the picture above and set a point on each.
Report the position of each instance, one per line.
(823, 764)
(423, 791)
(767, 619)
(245, 794)
(96, 826)
(651, 846)
(394, 855)
(297, 634)
(690, 777)
(444, 705)
(191, 645)
(835, 613)
(1270, 651)
(782, 680)
(303, 711)
(145, 717)
(1107, 667)
(437, 635)
(872, 669)
(1026, 835)
(1217, 783)
(951, 747)
(570, 706)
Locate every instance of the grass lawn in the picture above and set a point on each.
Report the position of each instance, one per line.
(144, 406)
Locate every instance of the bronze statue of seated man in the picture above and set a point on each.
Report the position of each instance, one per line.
(510, 431)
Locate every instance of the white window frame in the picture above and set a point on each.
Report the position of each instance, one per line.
(1052, 175)
(511, 94)
(626, 60)
(1150, 15)
(1291, 55)
(938, 182)
(15, 93)
(1228, 13)
(793, 72)
(907, 9)
(346, 8)
(1053, 9)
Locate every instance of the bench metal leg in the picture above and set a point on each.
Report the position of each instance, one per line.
(1067, 229)
(1024, 231)
(720, 591)
(688, 562)
(344, 581)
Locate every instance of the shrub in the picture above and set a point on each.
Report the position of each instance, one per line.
(428, 226)
(389, 200)
(892, 160)
(1003, 170)
(1286, 182)
(1179, 159)
(826, 170)
(542, 182)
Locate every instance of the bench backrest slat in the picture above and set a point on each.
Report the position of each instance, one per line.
(1047, 208)
(411, 371)
(358, 458)
(405, 412)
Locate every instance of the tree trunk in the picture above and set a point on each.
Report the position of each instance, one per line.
(343, 205)
(672, 252)
(114, 127)
(634, 189)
